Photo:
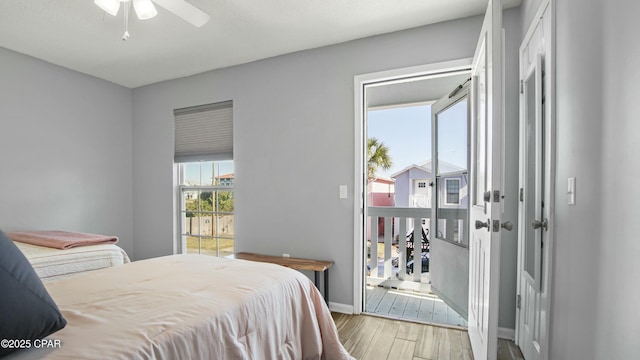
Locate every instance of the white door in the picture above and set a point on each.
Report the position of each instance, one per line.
(534, 225)
(449, 244)
(486, 186)
(536, 205)
(421, 193)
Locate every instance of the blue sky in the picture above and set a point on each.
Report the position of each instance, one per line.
(406, 131)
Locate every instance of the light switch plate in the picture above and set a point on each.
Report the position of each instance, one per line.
(343, 191)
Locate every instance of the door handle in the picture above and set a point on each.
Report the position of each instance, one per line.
(507, 225)
(536, 224)
(480, 224)
(486, 196)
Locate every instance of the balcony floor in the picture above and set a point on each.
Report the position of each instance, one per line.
(410, 301)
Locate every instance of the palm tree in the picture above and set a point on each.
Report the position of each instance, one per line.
(377, 157)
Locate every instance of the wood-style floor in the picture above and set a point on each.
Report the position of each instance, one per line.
(368, 337)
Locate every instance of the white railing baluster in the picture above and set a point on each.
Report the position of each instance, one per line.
(417, 249)
(388, 237)
(402, 247)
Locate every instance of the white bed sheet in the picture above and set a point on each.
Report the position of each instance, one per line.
(51, 264)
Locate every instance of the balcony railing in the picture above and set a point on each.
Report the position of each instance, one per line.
(397, 223)
(390, 250)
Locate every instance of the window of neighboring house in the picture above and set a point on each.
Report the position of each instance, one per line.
(453, 191)
(204, 153)
(422, 184)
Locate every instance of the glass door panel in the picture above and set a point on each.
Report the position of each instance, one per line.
(532, 187)
(451, 176)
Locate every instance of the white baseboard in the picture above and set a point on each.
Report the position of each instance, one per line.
(341, 308)
(506, 333)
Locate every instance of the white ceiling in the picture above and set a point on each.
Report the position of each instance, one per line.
(412, 92)
(78, 35)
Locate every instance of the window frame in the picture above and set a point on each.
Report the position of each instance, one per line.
(183, 189)
(446, 191)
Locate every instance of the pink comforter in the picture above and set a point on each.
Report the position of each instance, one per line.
(193, 307)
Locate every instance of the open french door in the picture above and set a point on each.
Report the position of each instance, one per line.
(449, 245)
(486, 185)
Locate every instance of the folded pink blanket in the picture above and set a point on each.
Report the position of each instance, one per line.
(60, 239)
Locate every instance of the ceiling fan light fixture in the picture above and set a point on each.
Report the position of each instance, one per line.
(144, 9)
(111, 7)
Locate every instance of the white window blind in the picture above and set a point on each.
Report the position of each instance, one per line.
(204, 133)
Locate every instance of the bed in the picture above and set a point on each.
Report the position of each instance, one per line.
(191, 307)
(50, 263)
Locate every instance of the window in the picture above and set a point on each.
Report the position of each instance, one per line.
(207, 208)
(204, 153)
(453, 191)
(422, 184)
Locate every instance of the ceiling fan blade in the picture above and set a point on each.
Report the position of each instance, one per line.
(186, 11)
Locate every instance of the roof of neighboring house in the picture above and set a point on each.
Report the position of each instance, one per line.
(382, 180)
(426, 166)
(227, 176)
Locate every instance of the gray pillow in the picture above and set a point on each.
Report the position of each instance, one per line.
(27, 311)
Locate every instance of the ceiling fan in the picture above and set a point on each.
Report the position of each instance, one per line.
(146, 10)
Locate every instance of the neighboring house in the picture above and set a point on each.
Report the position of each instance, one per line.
(414, 186)
(225, 180)
(380, 192)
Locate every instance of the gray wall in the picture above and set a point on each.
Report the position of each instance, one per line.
(594, 293)
(293, 145)
(618, 244)
(65, 150)
(579, 143)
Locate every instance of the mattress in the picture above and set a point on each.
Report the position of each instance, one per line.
(191, 307)
(51, 264)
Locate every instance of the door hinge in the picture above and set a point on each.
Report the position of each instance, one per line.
(518, 301)
(521, 195)
(521, 87)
